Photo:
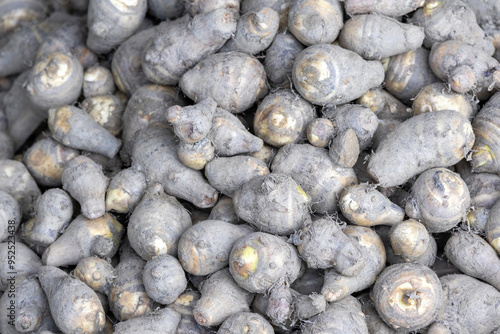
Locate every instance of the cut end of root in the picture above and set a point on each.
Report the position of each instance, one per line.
(246, 261)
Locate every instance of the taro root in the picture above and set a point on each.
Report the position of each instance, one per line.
(164, 279)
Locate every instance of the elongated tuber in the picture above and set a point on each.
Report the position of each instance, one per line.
(384, 105)
(26, 263)
(10, 215)
(161, 321)
(125, 190)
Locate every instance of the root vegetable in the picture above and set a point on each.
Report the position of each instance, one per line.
(97, 273)
(150, 234)
(484, 188)
(196, 155)
(320, 132)
(307, 306)
(185, 305)
(364, 205)
(407, 296)
(444, 20)
(477, 218)
(220, 298)
(485, 263)
(315, 173)
(492, 227)
(280, 306)
(185, 42)
(83, 238)
(255, 32)
(235, 89)
(439, 198)
(281, 6)
(224, 210)
(17, 13)
(125, 190)
(98, 80)
(192, 123)
(112, 22)
(148, 105)
(27, 262)
(74, 306)
(361, 35)
(322, 244)
(315, 21)
(204, 248)
(10, 215)
(272, 203)
(282, 118)
(84, 180)
(385, 126)
(344, 149)
(318, 69)
(337, 286)
(164, 279)
(16, 180)
(107, 111)
(54, 210)
(246, 322)
(161, 321)
(468, 305)
(32, 313)
(195, 7)
(164, 10)
(46, 160)
(486, 149)
(438, 96)
(228, 174)
(280, 57)
(448, 138)
(384, 105)
(392, 8)
(407, 73)
(154, 154)
(373, 321)
(411, 241)
(260, 261)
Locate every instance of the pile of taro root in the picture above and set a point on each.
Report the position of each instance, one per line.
(250, 166)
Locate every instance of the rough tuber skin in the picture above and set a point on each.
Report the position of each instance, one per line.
(438, 96)
(161, 321)
(318, 69)
(148, 105)
(98, 80)
(484, 264)
(54, 210)
(84, 180)
(393, 8)
(362, 34)
(46, 159)
(315, 173)
(468, 305)
(65, 123)
(315, 21)
(492, 227)
(364, 205)
(164, 279)
(185, 305)
(204, 248)
(448, 139)
(55, 80)
(444, 20)
(6, 145)
(439, 198)
(447, 61)
(320, 132)
(385, 126)
(281, 6)
(157, 223)
(125, 190)
(111, 22)
(280, 57)
(255, 32)
(224, 210)
(192, 123)
(83, 238)
(337, 286)
(17, 13)
(196, 155)
(195, 7)
(282, 118)
(107, 111)
(384, 105)
(344, 316)
(273, 203)
(344, 149)
(407, 73)
(486, 148)
(97, 273)
(407, 296)
(128, 298)
(10, 211)
(16, 180)
(220, 298)
(227, 175)
(183, 43)
(154, 154)
(248, 322)
(74, 306)
(411, 241)
(233, 79)
(27, 262)
(484, 188)
(260, 261)
(322, 244)
(32, 308)
(373, 321)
